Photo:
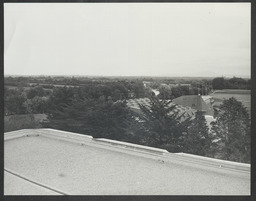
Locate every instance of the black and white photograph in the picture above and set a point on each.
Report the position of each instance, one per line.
(149, 98)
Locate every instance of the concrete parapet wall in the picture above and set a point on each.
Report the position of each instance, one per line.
(57, 134)
(64, 135)
(131, 146)
(19, 133)
(216, 162)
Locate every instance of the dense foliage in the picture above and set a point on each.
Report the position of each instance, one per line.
(233, 131)
(164, 126)
(16, 122)
(98, 107)
(194, 87)
(98, 118)
(198, 139)
(232, 83)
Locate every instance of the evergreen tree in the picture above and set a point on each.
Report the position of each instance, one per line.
(233, 130)
(97, 117)
(198, 140)
(163, 121)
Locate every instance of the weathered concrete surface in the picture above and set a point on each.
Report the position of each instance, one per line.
(95, 169)
(20, 186)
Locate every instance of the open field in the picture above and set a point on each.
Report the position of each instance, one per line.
(16, 87)
(243, 96)
(232, 91)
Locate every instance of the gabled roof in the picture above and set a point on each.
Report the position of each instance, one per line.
(185, 112)
(194, 101)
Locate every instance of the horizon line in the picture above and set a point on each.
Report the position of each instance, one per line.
(158, 76)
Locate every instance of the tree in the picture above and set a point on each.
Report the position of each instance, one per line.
(233, 130)
(233, 83)
(165, 93)
(237, 83)
(35, 91)
(197, 139)
(37, 105)
(138, 89)
(23, 121)
(99, 117)
(176, 92)
(163, 121)
(60, 98)
(218, 83)
(179, 91)
(14, 101)
(108, 119)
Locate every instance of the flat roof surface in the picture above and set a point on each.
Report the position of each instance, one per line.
(52, 162)
(20, 186)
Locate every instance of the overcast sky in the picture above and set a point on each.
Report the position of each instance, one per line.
(144, 39)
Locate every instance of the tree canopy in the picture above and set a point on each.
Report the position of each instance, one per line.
(198, 139)
(97, 106)
(165, 128)
(232, 83)
(232, 127)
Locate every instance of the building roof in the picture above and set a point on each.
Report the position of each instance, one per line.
(184, 112)
(196, 102)
(53, 162)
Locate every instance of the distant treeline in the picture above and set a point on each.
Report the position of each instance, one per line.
(232, 83)
(80, 81)
(36, 99)
(32, 95)
(196, 85)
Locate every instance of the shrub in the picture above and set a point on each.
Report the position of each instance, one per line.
(17, 122)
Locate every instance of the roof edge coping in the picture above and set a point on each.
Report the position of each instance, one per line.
(217, 162)
(64, 135)
(43, 132)
(131, 145)
(19, 133)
